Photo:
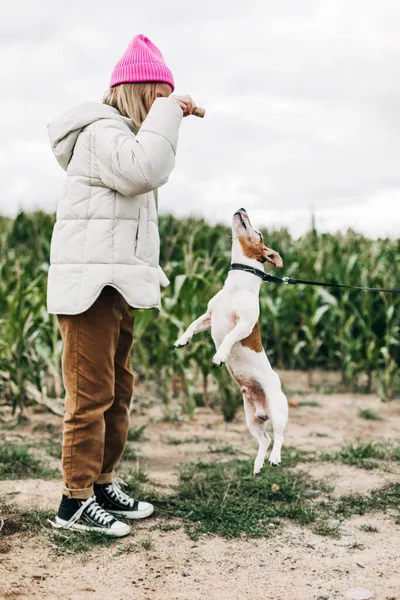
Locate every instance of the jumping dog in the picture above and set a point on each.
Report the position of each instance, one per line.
(232, 314)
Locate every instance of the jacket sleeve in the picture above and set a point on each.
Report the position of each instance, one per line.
(136, 164)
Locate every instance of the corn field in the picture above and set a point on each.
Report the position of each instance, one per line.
(303, 327)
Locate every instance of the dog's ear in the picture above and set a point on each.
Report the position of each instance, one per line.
(272, 257)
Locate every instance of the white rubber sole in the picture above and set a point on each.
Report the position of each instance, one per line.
(121, 531)
(135, 514)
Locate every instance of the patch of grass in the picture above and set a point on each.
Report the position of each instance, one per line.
(385, 498)
(363, 454)
(396, 453)
(171, 416)
(291, 456)
(369, 528)
(194, 440)
(312, 403)
(139, 486)
(23, 520)
(77, 542)
(135, 479)
(229, 450)
(360, 454)
(18, 462)
(167, 528)
(353, 453)
(227, 500)
(323, 528)
(146, 543)
(350, 505)
(380, 500)
(369, 415)
(176, 442)
(36, 517)
(127, 549)
(136, 434)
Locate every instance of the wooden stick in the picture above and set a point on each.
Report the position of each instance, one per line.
(199, 112)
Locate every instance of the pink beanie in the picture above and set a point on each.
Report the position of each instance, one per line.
(142, 61)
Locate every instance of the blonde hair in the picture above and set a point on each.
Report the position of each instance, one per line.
(132, 100)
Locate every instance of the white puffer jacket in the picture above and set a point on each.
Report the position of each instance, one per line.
(106, 231)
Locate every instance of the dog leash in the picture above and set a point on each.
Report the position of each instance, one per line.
(292, 280)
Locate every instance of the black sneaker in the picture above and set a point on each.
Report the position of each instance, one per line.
(115, 501)
(87, 515)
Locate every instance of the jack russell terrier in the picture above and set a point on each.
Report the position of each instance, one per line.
(232, 314)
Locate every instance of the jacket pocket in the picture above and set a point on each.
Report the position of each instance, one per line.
(141, 235)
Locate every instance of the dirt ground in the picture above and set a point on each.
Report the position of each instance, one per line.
(294, 564)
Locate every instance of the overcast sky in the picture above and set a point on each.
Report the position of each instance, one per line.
(302, 100)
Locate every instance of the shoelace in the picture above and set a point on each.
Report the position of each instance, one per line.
(99, 514)
(94, 510)
(115, 491)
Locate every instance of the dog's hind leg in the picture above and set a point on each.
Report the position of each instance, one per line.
(278, 410)
(279, 420)
(257, 428)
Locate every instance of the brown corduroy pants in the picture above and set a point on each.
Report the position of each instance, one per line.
(98, 379)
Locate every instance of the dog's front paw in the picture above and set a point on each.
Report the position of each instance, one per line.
(219, 358)
(181, 342)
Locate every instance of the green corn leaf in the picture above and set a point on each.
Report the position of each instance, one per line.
(319, 313)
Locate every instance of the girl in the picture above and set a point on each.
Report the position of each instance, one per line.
(104, 261)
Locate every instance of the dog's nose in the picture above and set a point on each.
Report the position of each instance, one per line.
(243, 209)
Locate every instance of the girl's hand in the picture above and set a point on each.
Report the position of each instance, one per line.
(186, 103)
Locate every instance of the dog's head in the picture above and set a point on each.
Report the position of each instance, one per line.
(248, 243)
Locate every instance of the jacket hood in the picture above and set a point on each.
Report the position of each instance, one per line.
(64, 130)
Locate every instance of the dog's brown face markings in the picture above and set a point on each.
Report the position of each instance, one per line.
(253, 248)
(252, 242)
